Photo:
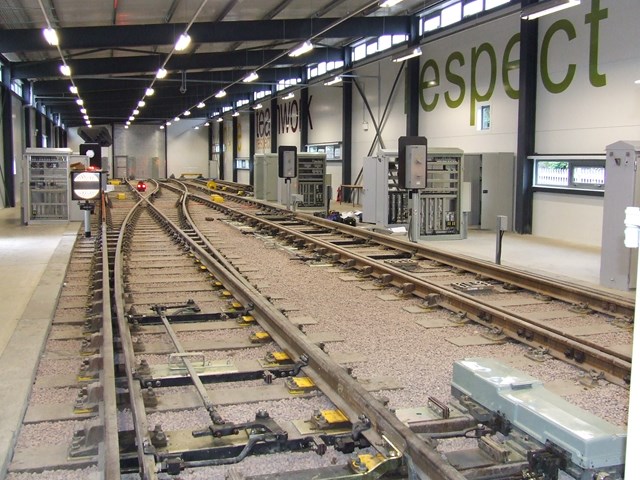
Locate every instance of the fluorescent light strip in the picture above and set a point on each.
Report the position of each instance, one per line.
(183, 42)
(50, 36)
(201, 105)
(538, 10)
(302, 49)
(389, 3)
(416, 52)
(333, 81)
(252, 77)
(221, 94)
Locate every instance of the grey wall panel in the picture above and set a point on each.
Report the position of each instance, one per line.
(144, 145)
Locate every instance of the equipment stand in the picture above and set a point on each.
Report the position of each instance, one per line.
(414, 215)
(287, 181)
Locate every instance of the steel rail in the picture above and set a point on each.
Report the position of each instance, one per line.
(111, 467)
(387, 433)
(145, 449)
(584, 354)
(597, 299)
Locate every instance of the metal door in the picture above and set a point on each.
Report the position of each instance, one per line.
(497, 189)
(121, 166)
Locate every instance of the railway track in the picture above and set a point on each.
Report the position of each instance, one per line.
(187, 312)
(463, 286)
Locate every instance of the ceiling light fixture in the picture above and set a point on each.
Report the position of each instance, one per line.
(257, 107)
(148, 92)
(235, 114)
(196, 127)
(161, 127)
(132, 118)
(176, 119)
(221, 94)
(50, 36)
(201, 105)
(80, 102)
(333, 81)
(73, 89)
(288, 97)
(142, 103)
(219, 120)
(302, 49)
(183, 42)
(389, 3)
(187, 113)
(168, 123)
(416, 52)
(252, 77)
(206, 124)
(136, 111)
(126, 126)
(537, 10)
(83, 110)
(161, 73)
(65, 70)
(86, 117)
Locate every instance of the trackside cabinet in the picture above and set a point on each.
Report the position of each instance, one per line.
(46, 193)
(385, 204)
(622, 189)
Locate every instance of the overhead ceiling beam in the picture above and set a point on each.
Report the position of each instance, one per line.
(149, 64)
(27, 40)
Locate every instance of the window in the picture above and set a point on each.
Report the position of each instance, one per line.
(472, 7)
(483, 120)
(432, 23)
(451, 15)
(585, 172)
(360, 52)
(489, 4)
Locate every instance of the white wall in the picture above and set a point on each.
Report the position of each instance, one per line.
(572, 218)
(145, 147)
(187, 148)
(455, 73)
(289, 121)
(376, 81)
(586, 117)
(227, 136)
(244, 138)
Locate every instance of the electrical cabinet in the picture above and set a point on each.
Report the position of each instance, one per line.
(312, 169)
(618, 264)
(265, 180)
(386, 204)
(46, 192)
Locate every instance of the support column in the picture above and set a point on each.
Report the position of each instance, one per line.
(252, 142)
(234, 147)
(526, 124)
(221, 150)
(347, 117)
(274, 122)
(7, 146)
(412, 82)
(304, 119)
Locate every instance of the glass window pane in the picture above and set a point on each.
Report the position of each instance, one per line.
(322, 68)
(360, 52)
(432, 23)
(372, 48)
(587, 176)
(472, 7)
(451, 15)
(489, 4)
(399, 39)
(552, 173)
(384, 42)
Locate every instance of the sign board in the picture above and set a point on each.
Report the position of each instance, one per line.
(85, 185)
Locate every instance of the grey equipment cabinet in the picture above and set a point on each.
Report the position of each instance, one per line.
(265, 180)
(46, 194)
(622, 189)
(385, 204)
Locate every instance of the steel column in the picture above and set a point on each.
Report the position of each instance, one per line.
(347, 133)
(252, 143)
(274, 122)
(526, 123)
(304, 118)
(7, 147)
(221, 150)
(234, 147)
